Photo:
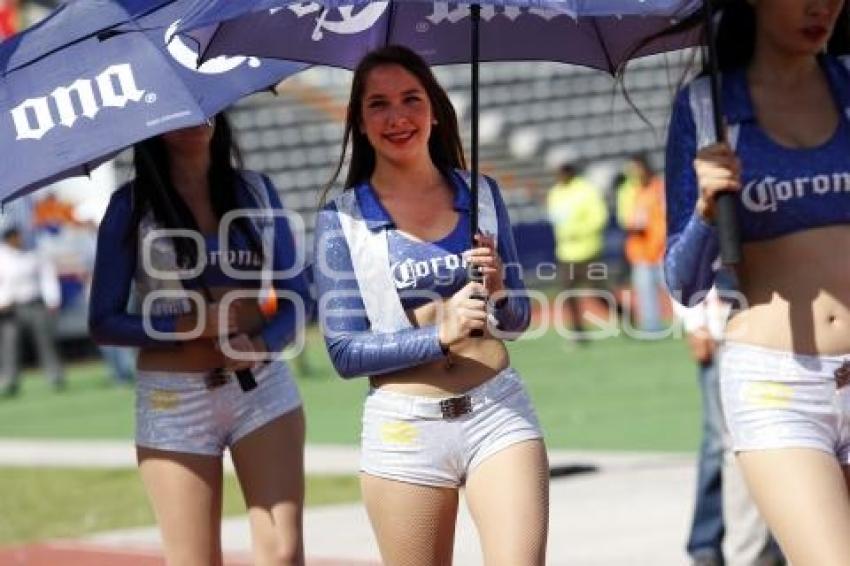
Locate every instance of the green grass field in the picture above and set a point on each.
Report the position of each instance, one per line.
(40, 503)
(617, 394)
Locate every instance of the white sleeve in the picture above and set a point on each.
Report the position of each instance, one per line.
(693, 318)
(5, 286)
(49, 283)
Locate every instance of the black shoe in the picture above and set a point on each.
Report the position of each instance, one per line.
(706, 561)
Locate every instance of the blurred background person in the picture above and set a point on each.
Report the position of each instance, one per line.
(643, 217)
(67, 218)
(626, 193)
(578, 215)
(9, 17)
(52, 213)
(120, 360)
(29, 299)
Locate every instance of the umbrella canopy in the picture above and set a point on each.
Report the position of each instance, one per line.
(68, 107)
(73, 21)
(601, 34)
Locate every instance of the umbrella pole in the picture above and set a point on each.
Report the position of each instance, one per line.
(725, 215)
(475, 274)
(475, 14)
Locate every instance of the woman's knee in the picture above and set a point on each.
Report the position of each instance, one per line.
(278, 540)
(282, 549)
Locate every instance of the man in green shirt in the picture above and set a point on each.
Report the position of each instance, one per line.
(579, 216)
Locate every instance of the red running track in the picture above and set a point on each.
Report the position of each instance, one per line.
(82, 554)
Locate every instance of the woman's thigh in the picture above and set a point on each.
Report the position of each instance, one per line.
(508, 497)
(185, 491)
(270, 465)
(414, 524)
(802, 494)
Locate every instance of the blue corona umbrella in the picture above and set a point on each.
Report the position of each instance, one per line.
(74, 91)
(72, 21)
(601, 34)
(594, 33)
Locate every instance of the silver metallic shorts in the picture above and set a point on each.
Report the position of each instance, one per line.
(182, 413)
(778, 399)
(436, 442)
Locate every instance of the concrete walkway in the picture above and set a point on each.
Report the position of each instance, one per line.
(122, 454)
(633, 509)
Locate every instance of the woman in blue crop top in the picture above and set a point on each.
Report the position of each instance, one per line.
(189, 301)
(784, 367)
(444, 409)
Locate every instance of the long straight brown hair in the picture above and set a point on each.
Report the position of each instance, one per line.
(154, 190)
(444, 145)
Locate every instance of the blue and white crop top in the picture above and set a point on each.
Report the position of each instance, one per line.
(784, 190)
(115, 273)
(417, 269)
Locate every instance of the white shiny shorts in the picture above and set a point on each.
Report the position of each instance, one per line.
(418, 440)
(778, 399)
(178, 412)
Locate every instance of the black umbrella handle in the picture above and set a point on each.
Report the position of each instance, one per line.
(246, 380)
(475, 275)
(725, 211)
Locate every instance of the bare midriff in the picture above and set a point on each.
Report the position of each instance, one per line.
(201, 355)
(472, 361)
(797, 291)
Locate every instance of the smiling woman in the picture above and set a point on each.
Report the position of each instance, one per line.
(445, 409)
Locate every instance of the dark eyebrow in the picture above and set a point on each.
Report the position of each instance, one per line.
(379, 96)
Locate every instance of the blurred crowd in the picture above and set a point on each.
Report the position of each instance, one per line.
(47, 249)
(18, 14)
(609, 246)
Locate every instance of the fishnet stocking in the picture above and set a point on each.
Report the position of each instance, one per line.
(508, 497)
(414, 524)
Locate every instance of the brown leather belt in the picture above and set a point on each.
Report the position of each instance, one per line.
(842, 375)
(455, 407)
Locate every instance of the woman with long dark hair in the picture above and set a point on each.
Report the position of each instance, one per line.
(200, 250)
(445, 409)
(786, 98)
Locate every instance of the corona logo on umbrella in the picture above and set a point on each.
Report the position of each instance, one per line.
(350, 22)
(115, 87)
(188, 57)
(97, 77)
(443, 12)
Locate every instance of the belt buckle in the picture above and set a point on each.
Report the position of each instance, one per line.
(216, 378)
(842, 375)
(454, 407)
